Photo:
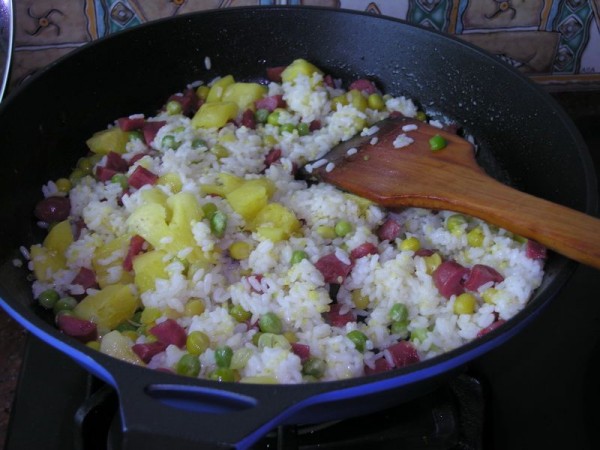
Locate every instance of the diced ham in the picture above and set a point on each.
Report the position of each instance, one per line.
(86, 278)
(274, 73)
(363, 85)
(481, 274)
(448, 278)
(328, 80)
(424, 252)
(148, 350)
(189, 101)
(270, 103)
(82, 330)
(53, 209)
(334, 318)
(389, 230)
(396, 115)
(272, 157)
(403, 353)
(381, 365)
(301, 350)
(150, 129)
(169, 332)
(315, 125)
(247, 120)
(135, 158)
(332, 269)
(131, 124)
(116, 162)
(136, 245)
(363, 250)
(104, 173)
(141, 177)
(491, 327)
(535, 250)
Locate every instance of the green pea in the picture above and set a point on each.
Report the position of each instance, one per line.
(297, 256)
(342, 228)
(475, 237)
(256, 337)
(358, 338)
(48, 298)
(223, 356)
(375, 101)
(169, 142)
(239, 313)
(126, 326)
(273, 340)
(400, 328)
(419, 334)
(173, 107)
(197, 342)
(218, 224)
(188, 365)
(240, 358)
(220, 151)
(303, 129)
(437, 143)
(63, 184)
(120, 178)
(76, 176)
(197, 143)
(287, 128)
(326, 232)
(273, 118)
(261, 115)
(270, 323)
(136, 134)
(209, 209)
(398, 312)
(465, 304)
(64, 304)
(85, 164)
(314, 367)
(421, 116)
(456, 224)
(223, 374)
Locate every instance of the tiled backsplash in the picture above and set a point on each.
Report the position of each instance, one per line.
(556, 42)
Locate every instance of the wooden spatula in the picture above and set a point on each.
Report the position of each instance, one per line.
(451, 179)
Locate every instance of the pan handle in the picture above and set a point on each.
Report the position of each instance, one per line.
(159, 416)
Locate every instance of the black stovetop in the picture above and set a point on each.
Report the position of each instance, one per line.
(539, 390)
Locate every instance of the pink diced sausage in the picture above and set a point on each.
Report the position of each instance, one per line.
(481, 274)
(448, 278)
(491, 327)
(535, 250)
(141, 177)
(332, 269)
(148, 350)
(270, 103)
(104, 173)
(363, 85)
(150, 129)
(272, 157)
(136, 245)
(403, 353)
(301, 350)
(82, 330)
(336, 319)
(363, 250)
(85, 278)
(131, 124)
(169, 332)
(274, 73)
(381, 365)
(116, 162)
(389, 230)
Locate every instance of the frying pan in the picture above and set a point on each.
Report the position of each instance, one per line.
(524, 139)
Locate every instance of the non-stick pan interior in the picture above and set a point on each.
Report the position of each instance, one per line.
(523, 137)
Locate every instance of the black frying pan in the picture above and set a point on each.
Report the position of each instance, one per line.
(524, 138)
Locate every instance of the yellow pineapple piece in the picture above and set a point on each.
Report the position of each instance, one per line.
(118, 346)
(59, 238)
(46, 262)
(109, 256)
(148, 267)
(244, 94)
(109, 306)
(110, 140)
(298, 67)
(215, 94)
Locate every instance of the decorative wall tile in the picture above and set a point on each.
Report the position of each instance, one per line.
(556, 42)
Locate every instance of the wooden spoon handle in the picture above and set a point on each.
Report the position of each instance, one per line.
(564, 230)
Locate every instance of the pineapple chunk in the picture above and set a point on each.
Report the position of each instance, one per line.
(218, 89)
(59, 238)
(148, 267)
(227, 183)
(118, 346)
(275, 222)
(46, 262)
(109, 306)
(150, 222)
(154, 195)
(248, 199)
(108, 258)
(215, 114)
(244, 94)
(111, 140)
(298, 67)
(172, 180)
